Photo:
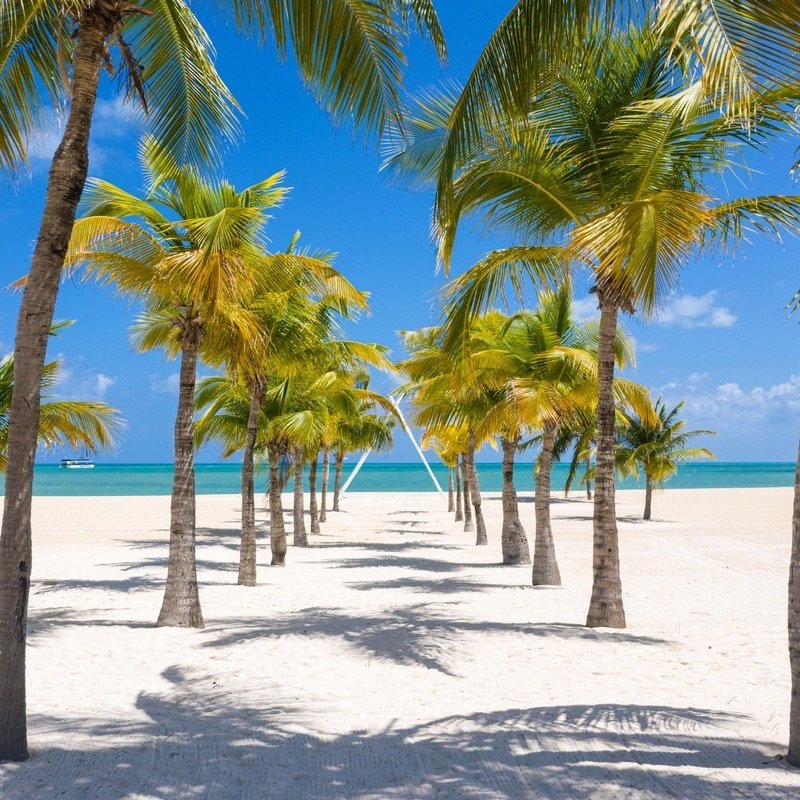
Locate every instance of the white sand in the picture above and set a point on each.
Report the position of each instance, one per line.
(395, 659)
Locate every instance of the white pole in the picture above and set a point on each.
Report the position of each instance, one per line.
(354, 472)
(416, 446)
(366, 453)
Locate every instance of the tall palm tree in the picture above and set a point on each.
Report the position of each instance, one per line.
(607, 171)
(192, 249)
(291, 321)
(656, 444)
(348, 51)
(84, 424)
(447, 391)
(294, 417)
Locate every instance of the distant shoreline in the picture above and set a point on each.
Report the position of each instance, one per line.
(139, 480)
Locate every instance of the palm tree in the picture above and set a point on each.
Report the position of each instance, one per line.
(495, 361)
(446, 444)
(192, 248)
(363, 430)
(83, 424)
(656, 444)
(292, 321)
(353, 60)
(607, 171)
(448, 392)
(298, 406)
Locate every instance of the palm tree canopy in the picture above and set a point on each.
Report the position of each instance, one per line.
(656, 445)
(733, 50)
(348, 51)
(604, 169)
(75, 424)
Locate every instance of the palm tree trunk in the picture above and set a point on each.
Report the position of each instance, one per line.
(181, 604)
(513, 540)
(450, 499)
(64, 186)
(312, 487)
(300, 537)
(545, 566)
(459, 498)
(605, 606)
(648, 497)
(326, 472)
(475, 493)
(587, 465)
(247, 547)
(337, 478)
(469, 525)
(277, 529)
(793, 756)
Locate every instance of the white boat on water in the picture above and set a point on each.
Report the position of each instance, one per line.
(77, 463)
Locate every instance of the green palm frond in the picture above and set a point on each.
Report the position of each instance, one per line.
(488, 281)
(30, 34)
(348, 51)
(76, 424)
(191, 111)
(739, 45)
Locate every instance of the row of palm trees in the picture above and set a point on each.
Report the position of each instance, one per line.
(591, 134)
(193, 251)
(532, 378)
(52, 54)
(605, 169)
(591, 146)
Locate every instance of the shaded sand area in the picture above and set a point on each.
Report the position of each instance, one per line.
(395, 659)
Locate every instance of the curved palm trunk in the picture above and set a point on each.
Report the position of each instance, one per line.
(513, 541)
(64, 186)
(475, 493)
(459, 498)
(337, 478)
(300, 536)
(450, 500)
(793, 756)
(181, 604)
(277, 529)
(326, 472)
(469, 525)
(648, 497)
(247, 547)
(312, 488)
(605, 606)
(545, 566)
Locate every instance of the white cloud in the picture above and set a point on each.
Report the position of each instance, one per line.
(113, 119)
(696, 311)
(78, 382)
(164, 385)
(102, 384)
(585, 308)
(731, 405)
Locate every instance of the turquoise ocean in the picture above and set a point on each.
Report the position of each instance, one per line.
(155, 479)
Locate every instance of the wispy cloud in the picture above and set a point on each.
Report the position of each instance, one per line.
(585, 308)
(113, 120)
(161, 384)
(731, 404)
(78, 381)
(696, 311)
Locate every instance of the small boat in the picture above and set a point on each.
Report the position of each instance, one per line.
(77, 463)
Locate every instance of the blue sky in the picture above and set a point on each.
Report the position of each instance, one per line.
(723, 342)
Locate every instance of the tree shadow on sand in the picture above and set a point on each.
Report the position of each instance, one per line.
(199, 740)
(409, 636)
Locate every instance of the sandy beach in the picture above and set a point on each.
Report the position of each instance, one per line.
(394, 659)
